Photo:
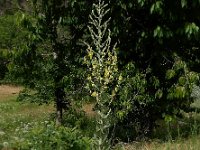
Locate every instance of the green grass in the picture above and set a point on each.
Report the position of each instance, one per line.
(14, 115)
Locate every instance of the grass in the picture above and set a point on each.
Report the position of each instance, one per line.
(15, 114)
(191, 143)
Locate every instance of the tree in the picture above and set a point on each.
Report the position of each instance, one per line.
(47, 62)
(11, 38)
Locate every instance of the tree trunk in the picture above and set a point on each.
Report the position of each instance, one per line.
(59, 99)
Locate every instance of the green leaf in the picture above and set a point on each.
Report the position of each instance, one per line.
(179, 92)
(120, 114)
(182, 81)
(158, 32)
(193, 77)
(183, 3)
(123, 6)
(155, 81)
(141, 2)
(179, 64)
(156, 7)
(130, 5)
(168, 118)
(191, 28)
(159, 94)
(170, 74)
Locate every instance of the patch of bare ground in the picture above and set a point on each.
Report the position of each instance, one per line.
(8, 90)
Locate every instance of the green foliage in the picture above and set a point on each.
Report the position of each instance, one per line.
(14, 115)
(46, 135)
(81, 121)
(170, 74)
(50, 55)
(156, 7)
(191, 29)
(10, 38)
(11, 35)
(134, 105)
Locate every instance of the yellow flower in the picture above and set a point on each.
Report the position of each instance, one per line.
(106, 73)
(120, 78)
(94, 94)
(94, 66)
(116, 89)
(89, 78)
(113, 93)
(90, 54)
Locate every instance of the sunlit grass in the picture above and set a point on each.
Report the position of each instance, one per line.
(191, 143)
(14, 114)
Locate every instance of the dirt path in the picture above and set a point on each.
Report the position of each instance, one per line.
(8, 90)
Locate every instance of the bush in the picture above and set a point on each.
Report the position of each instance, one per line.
(133, 107)
(47, 136)
(142, 98)
(78, 119)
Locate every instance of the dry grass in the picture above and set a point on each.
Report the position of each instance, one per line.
(7, 91)
(191, 143)
(8, 94)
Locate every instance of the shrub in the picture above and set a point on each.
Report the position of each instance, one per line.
(78, 119)
(48, 136)
(141, 100)
(133, 106)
